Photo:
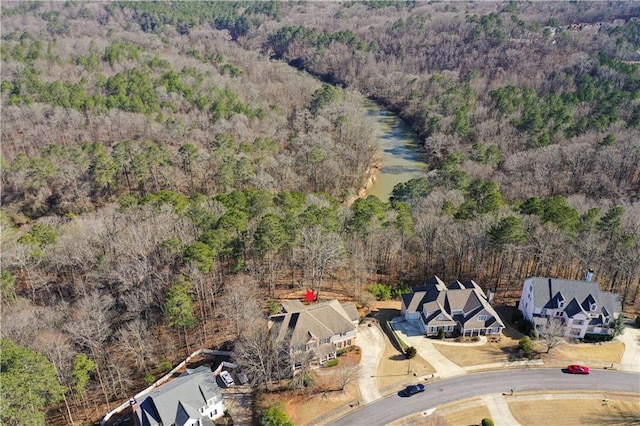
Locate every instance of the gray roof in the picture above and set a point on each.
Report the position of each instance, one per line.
(315, 322)
(440, 301)
(577, 296)
(180, 399)
(351, 310)
(293, 306)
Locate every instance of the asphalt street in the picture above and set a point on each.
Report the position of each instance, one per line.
(444, 391)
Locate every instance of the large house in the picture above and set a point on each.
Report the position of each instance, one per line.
(580, 305)
(461, 306)
(193, 398)
(320, 329)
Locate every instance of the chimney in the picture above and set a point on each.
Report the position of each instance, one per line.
(490, 294)
(589, 276)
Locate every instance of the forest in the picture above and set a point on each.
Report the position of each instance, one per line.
(172, 170)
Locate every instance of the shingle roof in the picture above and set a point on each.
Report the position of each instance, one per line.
(180, 399)
(437, 299)
(320, 321)
(546, 290)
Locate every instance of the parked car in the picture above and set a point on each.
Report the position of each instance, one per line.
(412, 390)
(227, 379)
(578, 369)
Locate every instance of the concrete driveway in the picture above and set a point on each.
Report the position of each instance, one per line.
(631, 357)
(412, 334)
(372, 342)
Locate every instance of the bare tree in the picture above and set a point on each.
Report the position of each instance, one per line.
(320, 250)
(263, 355)
(347, 373)
(90, 327)
(241, 304)
(552, 332)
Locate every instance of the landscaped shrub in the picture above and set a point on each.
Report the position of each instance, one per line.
(410, 352)
(526, 346)
(331, 363)
(595, 338)
(276, 416)
(487, 422)
(441, 333)
(637, 321)
(617, 325)
(346, 350)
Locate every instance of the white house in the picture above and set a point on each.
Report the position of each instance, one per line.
(582, 307)
(191, 399)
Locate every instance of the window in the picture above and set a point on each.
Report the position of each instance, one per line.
(594, 307)
(578, 322)
(575, 332)
(558, 313)
(561, 304)
(441, 317)
(324, 341)
(482, 317)
(457, 312)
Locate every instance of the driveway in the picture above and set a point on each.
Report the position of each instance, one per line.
(631, 357)
(372, 342)
(411, 333)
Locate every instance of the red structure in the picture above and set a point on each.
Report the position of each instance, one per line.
(310, 296)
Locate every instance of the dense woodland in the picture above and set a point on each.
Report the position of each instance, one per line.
(170, 170)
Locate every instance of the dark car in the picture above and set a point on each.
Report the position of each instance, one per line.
(412, 390)
(578, 369)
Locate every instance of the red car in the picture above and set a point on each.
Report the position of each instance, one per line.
(578, 369)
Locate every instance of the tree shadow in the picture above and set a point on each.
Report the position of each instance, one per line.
(615, 417)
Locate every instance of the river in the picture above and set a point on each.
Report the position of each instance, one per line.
(398, 145)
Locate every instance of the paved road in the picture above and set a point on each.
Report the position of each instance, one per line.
(444, 391)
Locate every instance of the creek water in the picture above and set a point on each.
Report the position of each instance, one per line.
(401, 160)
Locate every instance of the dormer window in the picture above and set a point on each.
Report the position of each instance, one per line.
(560, 303)
(457, 312)
(594, 307)
(482, 317)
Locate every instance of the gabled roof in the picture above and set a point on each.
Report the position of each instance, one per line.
(574, 308)
(292, 306)
(315, 322)
(546, 290)
(439, 300)
(554, 302)
(351, 310)
(180, 399)
(587, 302)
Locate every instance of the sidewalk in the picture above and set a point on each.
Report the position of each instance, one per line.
(499, 409)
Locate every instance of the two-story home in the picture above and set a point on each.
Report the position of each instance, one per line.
(321, 328)
(461, 306)
(580, 305)
(193, 398)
